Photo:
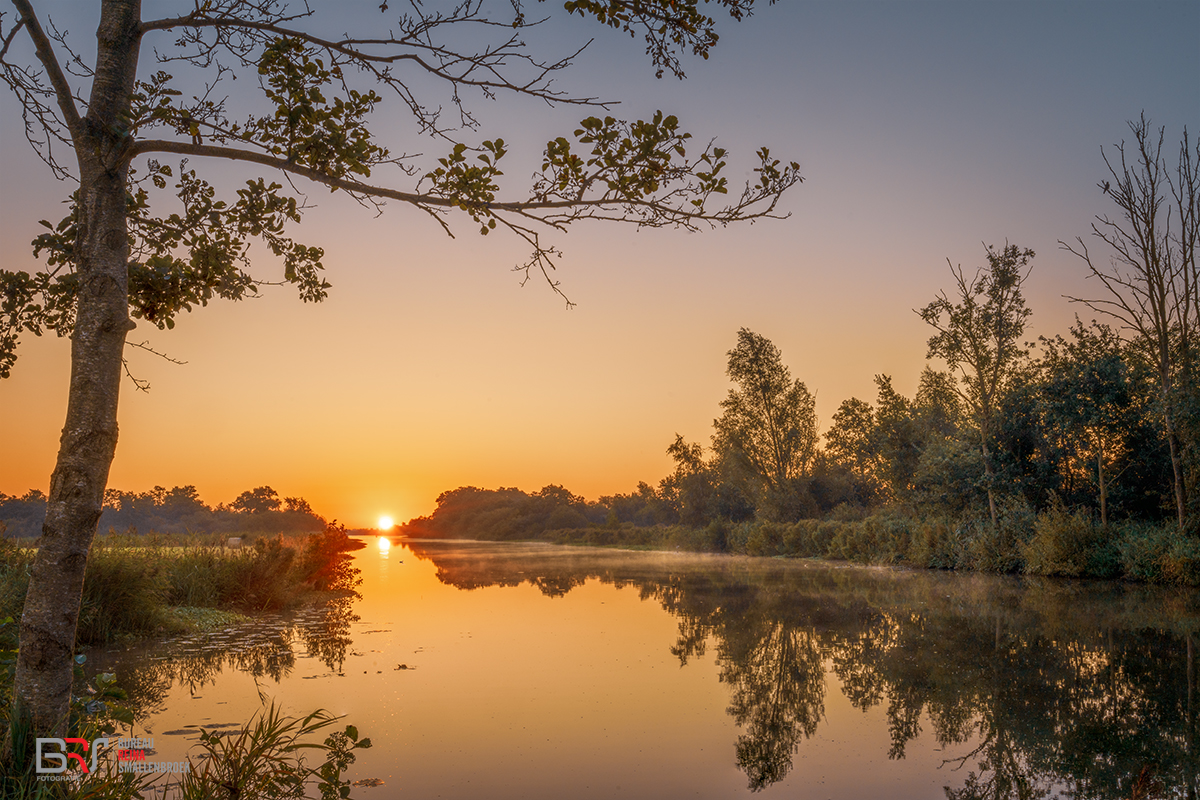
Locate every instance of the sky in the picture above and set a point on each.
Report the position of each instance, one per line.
(924, 130)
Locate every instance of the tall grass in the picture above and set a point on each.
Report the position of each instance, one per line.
(272, 756)
(267, 759)
(133, 583)
(130, 589)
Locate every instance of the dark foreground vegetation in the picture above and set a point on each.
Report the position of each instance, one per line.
(162, 584)
(148, 585)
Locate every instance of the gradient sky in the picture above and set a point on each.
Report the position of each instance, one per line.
(924, 130)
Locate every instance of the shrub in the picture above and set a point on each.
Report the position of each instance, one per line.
(764, 539)
(325, 564)
(1158, 554)
(809, 538)
(933, 543)
(1142, 548)
(878, 539)
(1063, 542)
(718, 534)
(997, 548)
(1181, 562)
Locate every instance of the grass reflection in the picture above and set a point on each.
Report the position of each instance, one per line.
(266, 649)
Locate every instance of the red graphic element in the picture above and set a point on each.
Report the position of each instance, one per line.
(76, 756)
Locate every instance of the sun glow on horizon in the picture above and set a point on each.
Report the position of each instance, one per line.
(386, 523)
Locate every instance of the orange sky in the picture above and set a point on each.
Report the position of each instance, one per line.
(924, 129)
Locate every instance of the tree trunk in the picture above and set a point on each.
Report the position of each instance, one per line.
(1100, 479)
(1176, 464)
(42, 688)
(989, 476)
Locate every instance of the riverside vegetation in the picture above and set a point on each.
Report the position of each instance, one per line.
(1055, 541)
(1075, 457)
(154, 584)
(157, 584)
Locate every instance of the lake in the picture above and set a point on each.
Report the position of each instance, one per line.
(484, 670)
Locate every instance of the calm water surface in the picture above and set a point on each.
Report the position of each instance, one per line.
(486, 670)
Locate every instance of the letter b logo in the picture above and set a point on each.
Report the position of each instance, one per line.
(61, 757)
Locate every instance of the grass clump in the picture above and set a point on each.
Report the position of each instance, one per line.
(272, 756)
(142, 586)
(267, 759)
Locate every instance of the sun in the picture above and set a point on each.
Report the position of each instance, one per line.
(386, 523)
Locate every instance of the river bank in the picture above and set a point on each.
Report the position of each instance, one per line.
(1057, 542)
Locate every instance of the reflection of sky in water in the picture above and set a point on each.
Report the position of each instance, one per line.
(541, 672)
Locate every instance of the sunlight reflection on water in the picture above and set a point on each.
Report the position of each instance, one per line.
(540, 671)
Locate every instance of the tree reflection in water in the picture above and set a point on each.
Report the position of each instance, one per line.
(1037, 687)
(265, 649)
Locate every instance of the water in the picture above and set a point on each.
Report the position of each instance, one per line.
(535, 671)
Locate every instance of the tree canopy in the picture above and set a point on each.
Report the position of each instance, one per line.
(268, 86)
(312, 107)
(979, 337)
(768, 421)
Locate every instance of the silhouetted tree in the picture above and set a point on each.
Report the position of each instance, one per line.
(978, 336)
(113, 258)
(769, 421)
(1149, 271)
(257, 501)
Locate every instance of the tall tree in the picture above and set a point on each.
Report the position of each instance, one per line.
(851, 444)
(978, 336)
(1089, 400)
(307, 117)
(1149, 272)
(769, 420)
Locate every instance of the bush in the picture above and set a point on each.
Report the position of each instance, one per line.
(878, 539)
(1181, 562)
(764, 539)
(933, 543)
(1063, 542)
(997, 548)
(1158, 554)
(325, 564)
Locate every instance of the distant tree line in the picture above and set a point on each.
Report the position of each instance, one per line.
(1076, 455)
(175, 510)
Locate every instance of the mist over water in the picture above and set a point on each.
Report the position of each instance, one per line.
(514, 670)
